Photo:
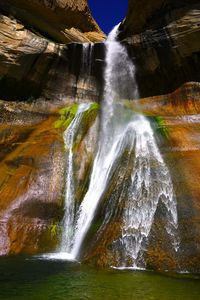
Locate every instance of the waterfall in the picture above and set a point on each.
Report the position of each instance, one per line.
(69, 205)
(150, 179)
(150, 182)
(111, 137)
(86, 66)
(69, 139)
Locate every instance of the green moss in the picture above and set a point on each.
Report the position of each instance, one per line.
(53, 228)
(89, 116)
(157, 121)
(67, 114)
(160, 126)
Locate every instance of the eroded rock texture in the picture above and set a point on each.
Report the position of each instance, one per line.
(180, 111)
(62, 21)
(32, 172)
(167, 53)
(144, 14)
(31, 165)
(37, 67)
(47, 76)
(33, 67)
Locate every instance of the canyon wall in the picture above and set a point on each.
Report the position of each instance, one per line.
(62, 21)
(33, 65)
(41, 71)
(164, 44)
(162, 38)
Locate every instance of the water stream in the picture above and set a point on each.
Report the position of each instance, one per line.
(69, 217)
(68, 223)
(150, 181)
(112, 133)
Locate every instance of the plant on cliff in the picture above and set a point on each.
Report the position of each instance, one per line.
(67, 114)
(160, 126)
(157, 122)
(53, 228)
(89, 116)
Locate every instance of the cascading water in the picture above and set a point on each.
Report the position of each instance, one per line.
(86, 65)
(111, 138)
(150, 183)
(69, 217)
(150, 180)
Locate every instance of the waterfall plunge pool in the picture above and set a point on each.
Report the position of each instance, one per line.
(29, 278)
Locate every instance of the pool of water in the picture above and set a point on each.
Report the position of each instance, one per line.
(30, 278)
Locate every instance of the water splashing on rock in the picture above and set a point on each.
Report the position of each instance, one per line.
(69, 217)
(150, 181)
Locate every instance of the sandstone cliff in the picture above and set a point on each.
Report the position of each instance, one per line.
(62, 21)
(32, 66)
(162, 38)
(146, 14)
(164, 43)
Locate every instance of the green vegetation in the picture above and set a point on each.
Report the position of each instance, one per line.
(158, 122)
(67, 114)
(89, 117)
(53, 230)
(94, 107)
(160, 127)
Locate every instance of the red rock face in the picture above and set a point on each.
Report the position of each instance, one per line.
(163, 39)
(32, 175)
(181, 152)
(180, 111)
(31, 169)
(32, 183)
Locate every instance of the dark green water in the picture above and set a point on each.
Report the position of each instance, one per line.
(22, 278)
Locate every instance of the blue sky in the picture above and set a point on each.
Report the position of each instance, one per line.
(108, 13)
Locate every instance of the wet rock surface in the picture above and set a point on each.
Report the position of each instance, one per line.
(33, 67)
(31, 166)
(181, 154)
(41, 75)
